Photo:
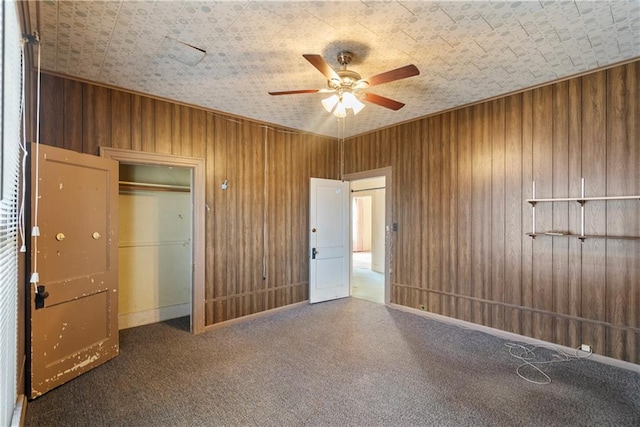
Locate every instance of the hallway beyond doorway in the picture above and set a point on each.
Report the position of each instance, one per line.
(365, 283)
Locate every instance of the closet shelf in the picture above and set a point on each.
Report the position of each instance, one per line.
(586, 236)
(582, 200)
(131, 186)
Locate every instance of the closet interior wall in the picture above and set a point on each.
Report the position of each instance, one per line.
(155, 245)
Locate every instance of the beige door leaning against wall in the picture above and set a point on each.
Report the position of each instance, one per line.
(74, 315)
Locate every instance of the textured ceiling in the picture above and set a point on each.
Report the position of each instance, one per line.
(227, 55)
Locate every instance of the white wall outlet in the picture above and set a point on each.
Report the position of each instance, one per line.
(585, 347)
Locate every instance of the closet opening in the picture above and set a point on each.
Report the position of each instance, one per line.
(154, 244)
(161, 238)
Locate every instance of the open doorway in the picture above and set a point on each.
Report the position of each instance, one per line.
(367, 226)
(368, 234)
(166, 187)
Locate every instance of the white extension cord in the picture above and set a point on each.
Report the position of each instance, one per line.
(526, 354)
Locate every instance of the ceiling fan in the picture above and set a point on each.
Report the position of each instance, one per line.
(348, 86)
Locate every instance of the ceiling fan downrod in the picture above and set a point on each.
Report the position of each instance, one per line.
(348, 78)
(344, 58)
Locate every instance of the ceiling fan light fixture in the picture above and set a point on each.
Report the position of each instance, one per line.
(350, 101)
(357, 107)
(340, 110)
(330, 102)
(338, 104)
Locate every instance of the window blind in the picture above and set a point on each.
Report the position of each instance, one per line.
(10, 173)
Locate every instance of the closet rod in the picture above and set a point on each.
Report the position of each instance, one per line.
(368, 189)
(127, 185)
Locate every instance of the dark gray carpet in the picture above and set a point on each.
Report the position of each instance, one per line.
(346, 362)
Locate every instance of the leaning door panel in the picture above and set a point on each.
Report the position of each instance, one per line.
(74, 315)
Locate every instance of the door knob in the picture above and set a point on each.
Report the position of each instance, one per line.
(60, 237)
(314, 252)
(41, 295)
(95, 235)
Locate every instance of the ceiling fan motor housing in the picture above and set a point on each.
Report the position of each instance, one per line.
(348, 78)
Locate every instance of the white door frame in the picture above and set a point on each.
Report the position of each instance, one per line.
(197, 167)
(388, 221)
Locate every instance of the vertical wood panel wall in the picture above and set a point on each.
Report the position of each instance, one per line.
(460, 183)
(256, 230)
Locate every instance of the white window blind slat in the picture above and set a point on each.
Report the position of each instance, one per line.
(10, 36)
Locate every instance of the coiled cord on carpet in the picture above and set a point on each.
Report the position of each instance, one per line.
(526, 354)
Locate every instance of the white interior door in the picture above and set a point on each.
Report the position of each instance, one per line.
(328, 240)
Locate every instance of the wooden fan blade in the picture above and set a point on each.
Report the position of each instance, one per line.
(393, 75)
(293, 92)
(322, 66)
(383, 102)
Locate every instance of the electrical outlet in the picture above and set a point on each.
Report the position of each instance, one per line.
(585, 347)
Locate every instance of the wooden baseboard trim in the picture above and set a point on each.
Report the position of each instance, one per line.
(130, 320)
(254, 316)
(513, 336)
(19, 412)
(521, 308)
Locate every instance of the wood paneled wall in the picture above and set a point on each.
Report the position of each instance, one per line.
(460, 183)
(256, 230)
(460, 180)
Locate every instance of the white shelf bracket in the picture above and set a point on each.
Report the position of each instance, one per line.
(533, 210)
(582, 210)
